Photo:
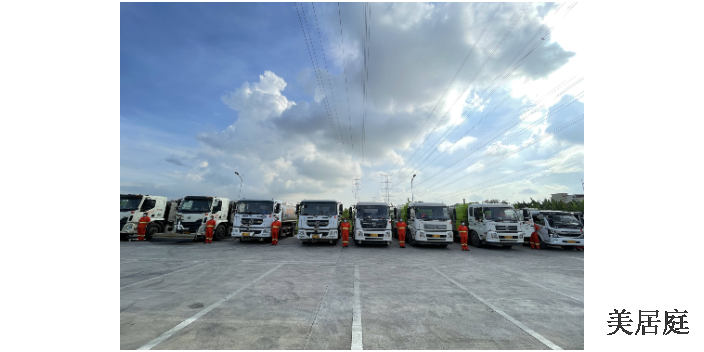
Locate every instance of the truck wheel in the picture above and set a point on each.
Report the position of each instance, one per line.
(476, 241)
(542, 245)
(219, 233)
(151, 230)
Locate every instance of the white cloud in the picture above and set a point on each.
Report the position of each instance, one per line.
(461, 144)
(260, 100)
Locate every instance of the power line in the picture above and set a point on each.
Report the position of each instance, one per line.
(315, 70)
(523, 147)
(332, 92)
(515, 135)
(344, 64)
(481, 68)
(518, 64)
(449, 84)
(533, 107)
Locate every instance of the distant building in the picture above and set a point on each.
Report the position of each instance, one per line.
(566, 198)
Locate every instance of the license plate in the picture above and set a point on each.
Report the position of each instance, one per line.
(186, 232)
(571, 241)
(509, 237)
(373, 235)
(436, 236)
(316, 236)
(245, 233)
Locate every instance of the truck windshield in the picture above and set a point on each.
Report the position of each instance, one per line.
(318, 208)
(563, 220)
(255, 207)
(432, 213)
(196, 205)
(372, 211)
(129, 203)
(500, 213)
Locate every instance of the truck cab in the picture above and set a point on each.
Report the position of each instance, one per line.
(495, 224)
(371, 223)
(253, 219)
(559, 228)
(318, 220)
(132, 206)
(191, 215)
(427, 223)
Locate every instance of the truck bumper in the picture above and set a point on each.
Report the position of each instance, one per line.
(373, 237)
(177, 236)
(566, 241)
(313, 237)
(505, 239)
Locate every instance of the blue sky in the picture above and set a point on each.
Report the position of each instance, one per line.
(207, 89)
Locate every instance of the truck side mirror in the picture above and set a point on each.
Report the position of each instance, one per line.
(395, 213)
(454, 213)
(339, 209)
(278, 208)
(298, 209)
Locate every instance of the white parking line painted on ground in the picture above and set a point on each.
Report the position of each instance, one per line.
(507, 272)
(551, 290)
(356, 314)
(522, 326)
(156, 277)
(203, 312)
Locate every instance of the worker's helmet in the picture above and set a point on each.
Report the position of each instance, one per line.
(145, 213)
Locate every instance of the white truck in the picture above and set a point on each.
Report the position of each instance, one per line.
(187, 220)
(427, 223)
(132, 206)
(495, 224)
(558, 228)
(253, 218)
(371, 223)
(318, 220)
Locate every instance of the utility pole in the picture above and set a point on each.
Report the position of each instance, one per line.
(414, 176)
(387, 188)
(582, 185)
(355, 188)
(241, 181)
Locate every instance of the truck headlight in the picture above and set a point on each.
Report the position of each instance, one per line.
(201, 228)
(301, 233)
(266, 231)
(421, 233)
(387, 233)
(359, 233)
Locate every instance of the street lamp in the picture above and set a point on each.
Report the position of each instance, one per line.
(241, 181)
(414, 176)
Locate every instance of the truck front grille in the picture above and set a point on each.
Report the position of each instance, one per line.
(252, 221)
(506, 228)
(320, 223)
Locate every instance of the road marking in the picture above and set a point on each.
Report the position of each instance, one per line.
(507, 272)
(522, 326)
(203, 312)
(551, 290)
(356, 314)
(125, 261)
(156, 277)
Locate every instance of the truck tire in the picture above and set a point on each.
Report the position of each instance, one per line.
(152, 229)
(219, 233)
(542, 244)
(475, 240)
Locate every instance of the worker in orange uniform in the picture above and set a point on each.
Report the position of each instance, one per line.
(142, 227)
(209, 227)
(275, 226)
(534, 239)
(345, 229)
(401, 229)
(463, 230)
